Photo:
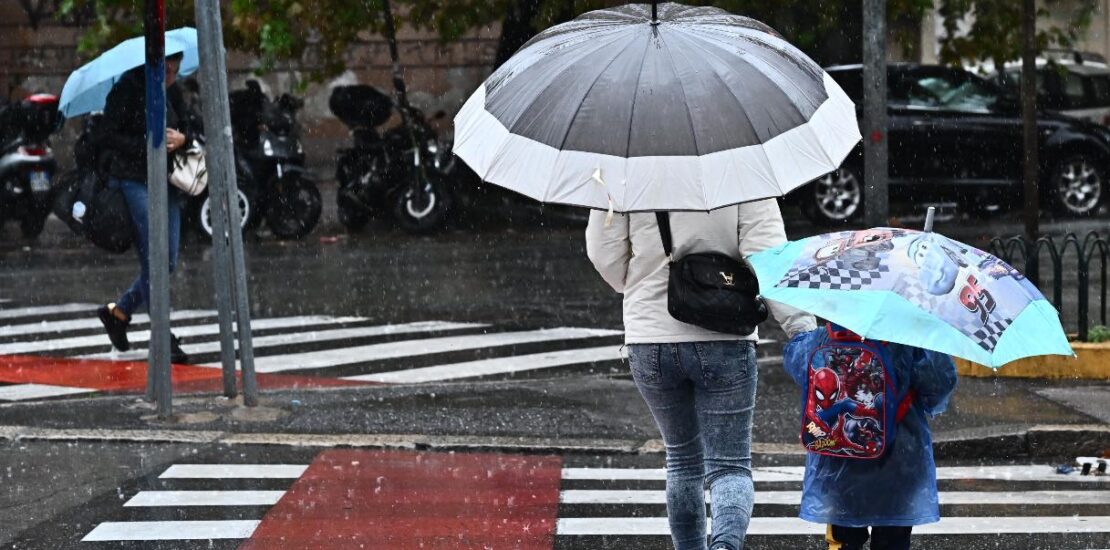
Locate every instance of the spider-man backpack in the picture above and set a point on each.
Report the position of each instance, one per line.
(849, 407)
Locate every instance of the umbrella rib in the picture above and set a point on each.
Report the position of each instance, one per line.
(635, 94)
(685, 101)
(578, 109)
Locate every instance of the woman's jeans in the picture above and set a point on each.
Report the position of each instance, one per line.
(702, 395)
(137, 196)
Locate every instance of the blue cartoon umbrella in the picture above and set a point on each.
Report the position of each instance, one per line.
(916, 288)
(87, 88)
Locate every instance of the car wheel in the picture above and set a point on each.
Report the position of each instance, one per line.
(834, 198)
(1077, 186)
(204, 218)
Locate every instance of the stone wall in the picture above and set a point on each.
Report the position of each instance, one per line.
(439, 76)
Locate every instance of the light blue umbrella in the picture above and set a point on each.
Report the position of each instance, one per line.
(87, 88)
(915, 288)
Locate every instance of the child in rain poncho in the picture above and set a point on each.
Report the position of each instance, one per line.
(891, 493)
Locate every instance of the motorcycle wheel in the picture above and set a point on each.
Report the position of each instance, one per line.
(32, 224)
(204, 216)
(294, 208)
(421, 215)
(353, 216)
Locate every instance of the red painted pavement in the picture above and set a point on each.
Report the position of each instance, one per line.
(402, 500)
(128, 376)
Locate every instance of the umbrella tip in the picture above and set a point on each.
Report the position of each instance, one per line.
(929, 215)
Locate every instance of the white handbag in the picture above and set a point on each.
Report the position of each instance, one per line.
(190, 171)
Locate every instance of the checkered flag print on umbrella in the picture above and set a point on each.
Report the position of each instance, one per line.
(834, 278)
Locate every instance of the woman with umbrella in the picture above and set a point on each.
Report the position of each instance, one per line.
(125, 135)
(640, 109)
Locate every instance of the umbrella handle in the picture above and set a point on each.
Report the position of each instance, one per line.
(932, 212)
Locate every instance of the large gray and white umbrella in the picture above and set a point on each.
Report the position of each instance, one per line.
(693, 110)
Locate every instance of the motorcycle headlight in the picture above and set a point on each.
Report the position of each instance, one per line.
(433, 147)
(267, 148)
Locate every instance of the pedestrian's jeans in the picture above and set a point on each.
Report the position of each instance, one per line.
(702, 395)
(137, 196)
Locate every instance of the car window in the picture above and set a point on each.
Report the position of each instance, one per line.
(1100, 90)
(943, 91)
(1074, 92)
(851, 81)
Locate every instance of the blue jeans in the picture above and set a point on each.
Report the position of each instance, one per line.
(137, 196)
(702, 395)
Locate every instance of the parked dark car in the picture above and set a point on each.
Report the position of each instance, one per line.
(956, 137)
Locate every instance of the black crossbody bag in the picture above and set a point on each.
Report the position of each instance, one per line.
(711, 290)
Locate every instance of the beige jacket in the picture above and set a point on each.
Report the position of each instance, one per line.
(628, 253)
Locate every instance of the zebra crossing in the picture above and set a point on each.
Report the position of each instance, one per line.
(348, 349)
(1013, 506)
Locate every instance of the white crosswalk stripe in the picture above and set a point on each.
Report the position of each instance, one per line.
(204, 498)
(172, 530)
(628, 505)
(412, 348)
(23, 392)
(317, 345)
(330, 335)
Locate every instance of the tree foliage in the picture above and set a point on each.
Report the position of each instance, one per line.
(996, 27)
(316, 35)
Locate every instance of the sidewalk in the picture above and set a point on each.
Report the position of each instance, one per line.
(989, 418)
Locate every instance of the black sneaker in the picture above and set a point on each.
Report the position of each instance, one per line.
(116, 329)
(177, 355)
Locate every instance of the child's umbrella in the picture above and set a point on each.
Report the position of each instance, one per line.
(915, 288)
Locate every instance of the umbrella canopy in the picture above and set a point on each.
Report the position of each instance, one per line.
(87, 88)
(915, 288)
(696, 110)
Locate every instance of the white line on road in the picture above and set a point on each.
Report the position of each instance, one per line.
(795, 473)
(46, 310)
(793, 498)
(204, 498)
(172, 530)
(794, 526)
(140, 336)
(410, 348)
(93, 322)
(234, 471)
(262, 342)
(501, 365)
(20, 392)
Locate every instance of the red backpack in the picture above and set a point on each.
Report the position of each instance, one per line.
(849, 407)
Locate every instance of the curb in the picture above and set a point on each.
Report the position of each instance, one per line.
(1037, 441)
(1091, 362)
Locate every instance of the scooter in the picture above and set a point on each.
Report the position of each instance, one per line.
(270, 166)
(404, 171)
(27, 162)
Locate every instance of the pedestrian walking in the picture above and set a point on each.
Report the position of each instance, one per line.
(699, 384)
(866, 406)
(125, 117)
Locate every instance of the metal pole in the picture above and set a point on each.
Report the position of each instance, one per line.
(876, 198)
(160, 384)
(210, 33)
(221, 174)
(1029, 117)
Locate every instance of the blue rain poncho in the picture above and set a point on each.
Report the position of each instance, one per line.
(900, 487)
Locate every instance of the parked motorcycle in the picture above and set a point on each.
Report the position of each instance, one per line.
(403, 171)
(269, 160)
(27, 162)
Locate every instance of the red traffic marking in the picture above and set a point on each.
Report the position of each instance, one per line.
(126, 376)
(404, 500)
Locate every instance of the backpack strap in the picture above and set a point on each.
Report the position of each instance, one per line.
(904, 405)
(664, 220)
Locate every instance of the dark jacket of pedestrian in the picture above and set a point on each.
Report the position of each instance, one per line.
(125, 120)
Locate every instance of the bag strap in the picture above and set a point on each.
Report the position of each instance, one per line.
(904, 405)
(664, 220)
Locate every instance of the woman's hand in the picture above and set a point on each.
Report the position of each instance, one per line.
(174, 140)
